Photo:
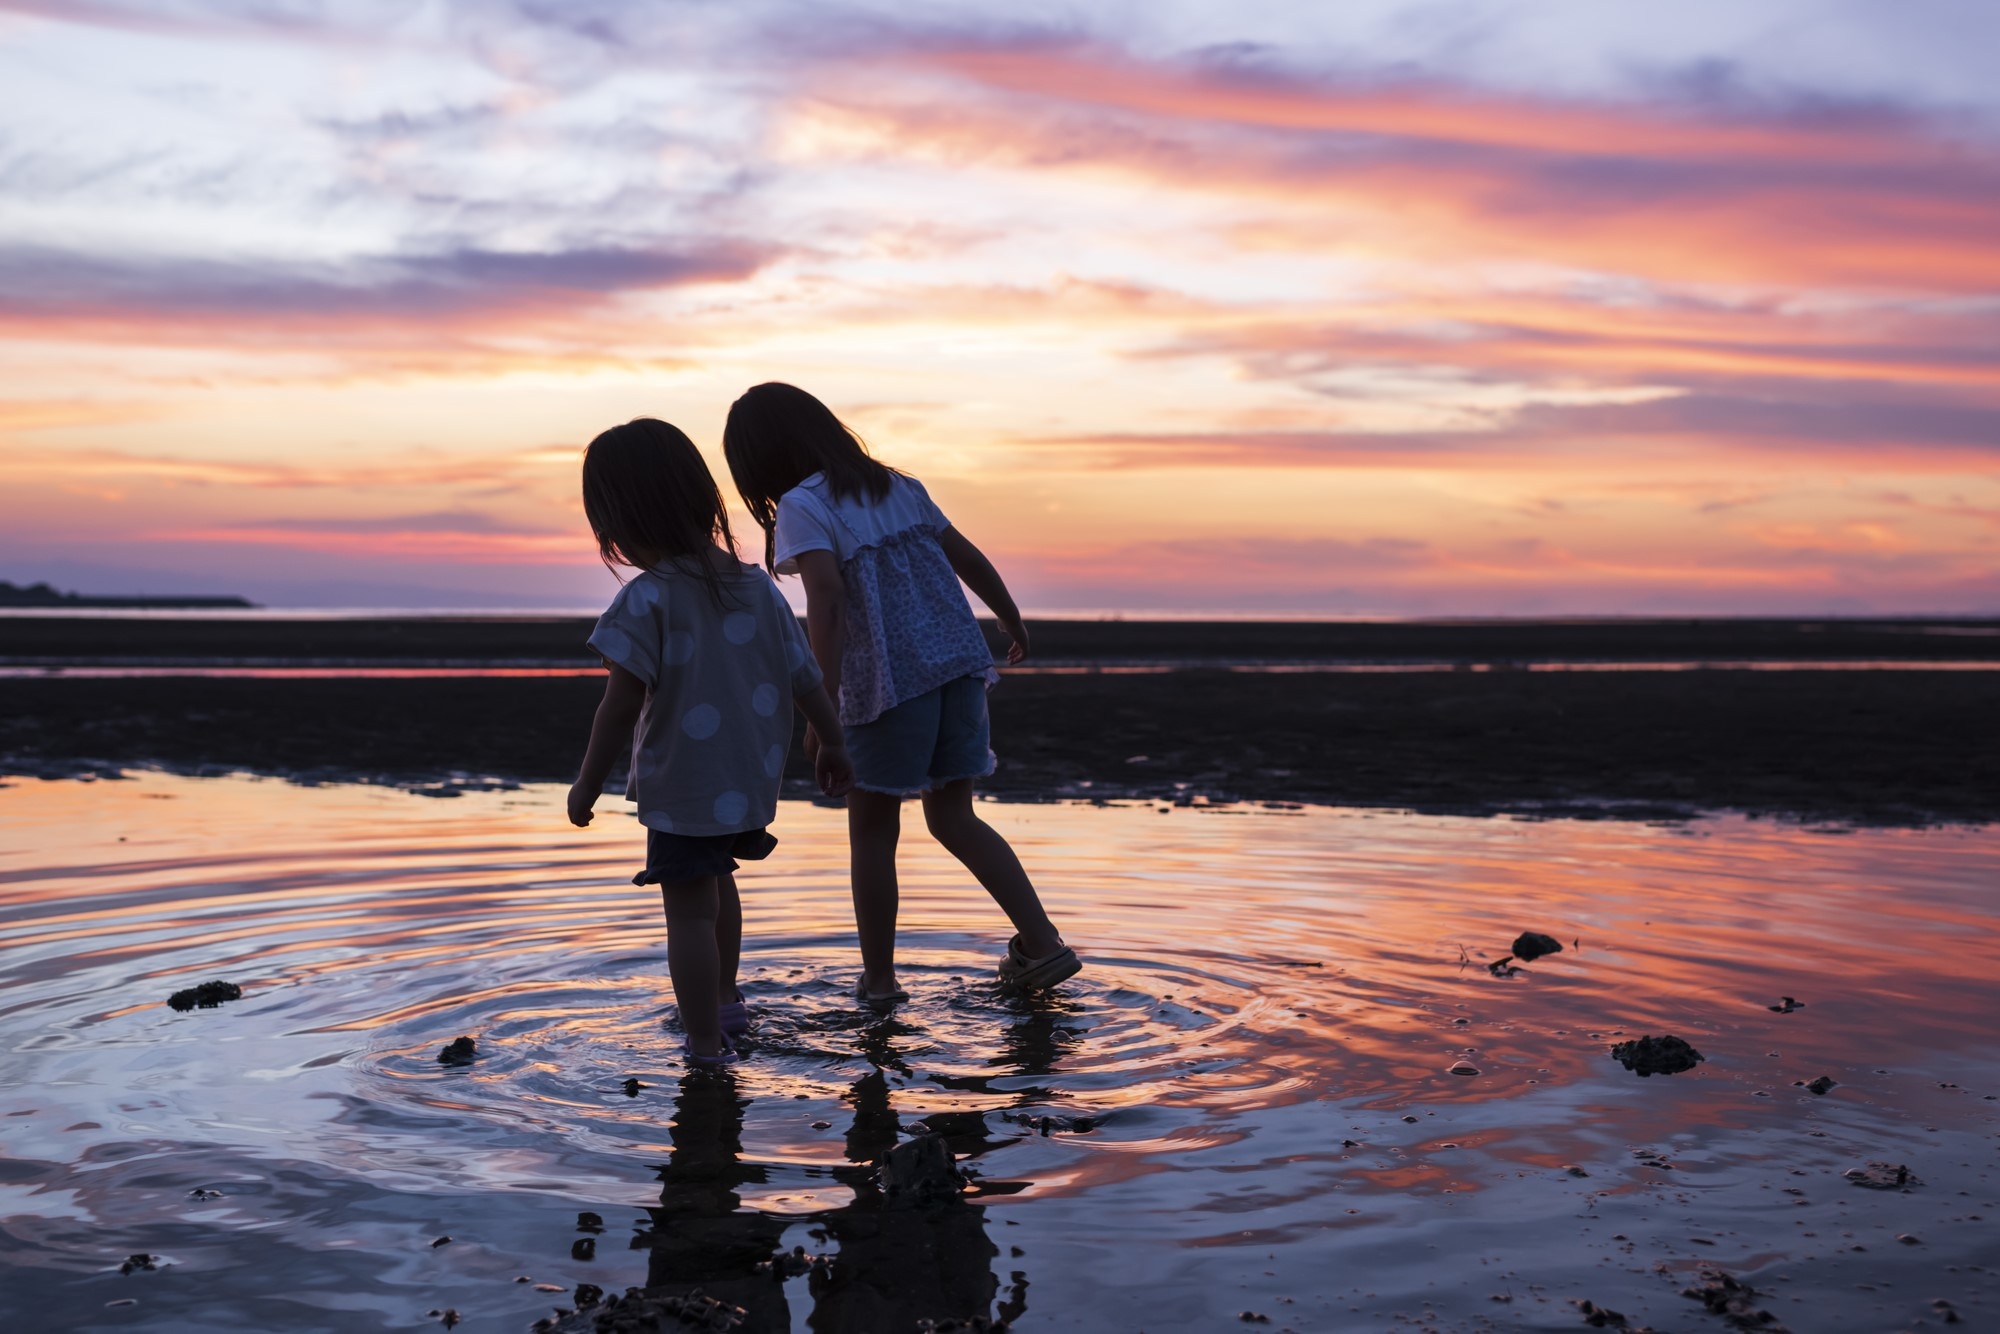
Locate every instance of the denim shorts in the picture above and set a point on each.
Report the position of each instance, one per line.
(923, 743)
(698, 856)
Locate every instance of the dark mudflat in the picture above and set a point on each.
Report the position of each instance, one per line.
(1898, 748)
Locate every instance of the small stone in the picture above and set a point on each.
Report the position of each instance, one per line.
(440, 1241)
(139, 1261)
(1253, 1317)
(1882, 1176)
(583, 1248)
(1532, 945)
(203, 1193)
(208, 995)
(550, 1287)
(1576, 1171)
(1410, 1119)
(822, 1125)
(123, 1301)
(448, 1317)
(589, 1222)
(1665, 1055)
(1909, 1240)
(1786, 1006)
(588, 1294)
(1822, 1084)
(1463, 1068)
(632, 1087)
(459, 1051)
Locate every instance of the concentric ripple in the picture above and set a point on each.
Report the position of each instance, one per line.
(1244, 1102)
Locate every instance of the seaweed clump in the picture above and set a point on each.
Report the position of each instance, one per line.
(208, 995)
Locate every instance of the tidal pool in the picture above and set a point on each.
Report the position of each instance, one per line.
(1242, 1108)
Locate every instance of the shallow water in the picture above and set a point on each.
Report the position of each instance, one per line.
(1245, 1096)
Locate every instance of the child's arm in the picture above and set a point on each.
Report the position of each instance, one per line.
(831, 766)
(624, 696)
(970, 564)
(826, 617)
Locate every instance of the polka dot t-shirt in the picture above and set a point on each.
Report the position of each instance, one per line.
(710, 744)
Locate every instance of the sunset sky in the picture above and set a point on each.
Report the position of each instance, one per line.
(1559, 306)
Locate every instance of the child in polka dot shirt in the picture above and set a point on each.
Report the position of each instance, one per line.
(706, 662)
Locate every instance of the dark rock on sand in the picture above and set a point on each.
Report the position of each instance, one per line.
(1463, 1068)
(1822, 1084)
(139, 1261)
(459, 1051)
(588, 1294)
(1786, 1005)
(440, 1241)
(448, 1317)
(1730, 1297)
(583, 1248)
(919, 1171)
(1883, 1176)
(1665, 1055)
(208, 995)
(1532, 945)
(589, 1222)
(632, 1087)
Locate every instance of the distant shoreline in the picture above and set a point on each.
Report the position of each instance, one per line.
(43, 597)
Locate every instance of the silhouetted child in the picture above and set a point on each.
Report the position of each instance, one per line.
(902, 653)
(706, 660)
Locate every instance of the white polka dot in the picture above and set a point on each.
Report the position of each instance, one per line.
(731, 807)
(764, 699)
(679, 646)
(739, 627)
(642, 594)
(774, 761)
(701, 721)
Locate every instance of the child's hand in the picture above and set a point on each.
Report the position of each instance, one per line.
(581, 799)
(833, 769)
(1017, 637)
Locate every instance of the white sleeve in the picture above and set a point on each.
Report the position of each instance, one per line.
(801, 526)
(932, 514)
(628, 633)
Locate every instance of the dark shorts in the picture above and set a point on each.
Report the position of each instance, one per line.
(939, 737)
(698, 856)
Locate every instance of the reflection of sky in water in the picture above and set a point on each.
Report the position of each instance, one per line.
(1261, 989)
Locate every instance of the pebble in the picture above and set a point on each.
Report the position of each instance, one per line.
(1463, 1068)
(459, 1051)
(440, 1241)
(208, 995)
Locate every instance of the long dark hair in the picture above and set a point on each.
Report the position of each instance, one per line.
(650, 499)
(776, 437)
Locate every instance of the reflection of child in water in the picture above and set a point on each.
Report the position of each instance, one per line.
(705, 660)
(896, 1267)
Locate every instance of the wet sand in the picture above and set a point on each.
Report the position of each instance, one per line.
(1246, 1103)
(1863, 747)
(1476, 731)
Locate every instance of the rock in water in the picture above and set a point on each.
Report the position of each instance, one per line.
(1883, 1176)
(459, 1051)
(919, 1171)
(208, 995)
(1532, 945)
(1822, 1084)
(1665, 1055)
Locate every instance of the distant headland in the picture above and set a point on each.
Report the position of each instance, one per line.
(41, 595)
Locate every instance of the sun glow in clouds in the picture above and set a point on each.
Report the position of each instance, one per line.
(1364, 311)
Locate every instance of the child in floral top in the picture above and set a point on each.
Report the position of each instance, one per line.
(902, 654)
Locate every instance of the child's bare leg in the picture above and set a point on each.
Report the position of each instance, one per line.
(728, 937)
(693, 961)
(874, 820)
(948, 812)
